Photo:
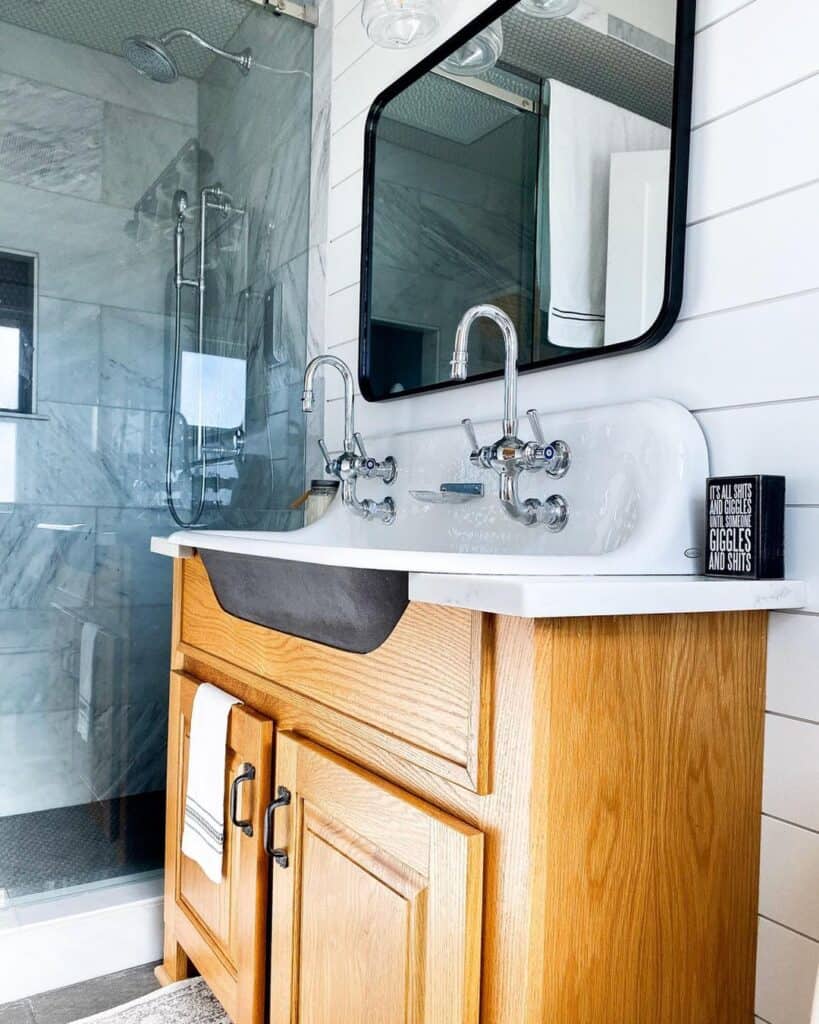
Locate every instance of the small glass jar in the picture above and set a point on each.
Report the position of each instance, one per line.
(319, 499)
(481, 53)
(399, 24)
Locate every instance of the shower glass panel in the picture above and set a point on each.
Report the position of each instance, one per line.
(93, 159)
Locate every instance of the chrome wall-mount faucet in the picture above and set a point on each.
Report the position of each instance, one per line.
(509, 456)
(353, 463)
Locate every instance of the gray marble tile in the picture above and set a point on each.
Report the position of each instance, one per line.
(52, 139)
(92, 454)
(132, 446)
(136, 352)
(36, 736)
(126, 571)
(126, 751)
(86, 250)
(263, 159)
(94, 73)
(61, 1006)
(140, 149)
(69, 353)
(48, 556)
(37, 681)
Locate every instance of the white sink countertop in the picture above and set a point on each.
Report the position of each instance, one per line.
(635, 492)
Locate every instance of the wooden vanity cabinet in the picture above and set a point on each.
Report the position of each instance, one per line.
(222, 928)
(492, 820)
(378, 915)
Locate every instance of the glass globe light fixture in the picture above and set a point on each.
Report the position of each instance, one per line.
(400, 24)
(547, 8)
(480, 54)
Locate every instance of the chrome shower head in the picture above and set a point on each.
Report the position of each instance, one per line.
(150, 58)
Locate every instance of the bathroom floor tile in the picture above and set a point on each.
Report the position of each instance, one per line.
(64, 1005)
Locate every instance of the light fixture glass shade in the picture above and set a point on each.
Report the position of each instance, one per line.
(478, 55)
(399, 24)
(547, 8)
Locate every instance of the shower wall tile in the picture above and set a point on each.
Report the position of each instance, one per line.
(48, 557)
(140, 150)
(82, 454)
(69, 351)
(126, 750)
(135, 354)
(126, 572)
(132, 450)
(264, 159)
(93, 73)
(86, 253)
(37, 681)
(51, 139)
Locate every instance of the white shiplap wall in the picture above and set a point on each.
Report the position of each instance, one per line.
(744, 357)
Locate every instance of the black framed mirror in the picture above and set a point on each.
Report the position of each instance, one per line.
(537, 160)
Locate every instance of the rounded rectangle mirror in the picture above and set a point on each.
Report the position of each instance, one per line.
(538, 161)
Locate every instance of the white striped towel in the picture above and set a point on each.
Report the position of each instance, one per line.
(203, 835)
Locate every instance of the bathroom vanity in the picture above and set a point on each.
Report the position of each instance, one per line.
(491, 818)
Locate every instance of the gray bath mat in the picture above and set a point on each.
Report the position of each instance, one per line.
(186, 1002)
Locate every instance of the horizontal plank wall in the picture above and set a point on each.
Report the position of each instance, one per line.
(744, 358)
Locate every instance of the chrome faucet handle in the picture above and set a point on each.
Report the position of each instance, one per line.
(471, 436)
(359, 441)
(328, 461)
(537, 429)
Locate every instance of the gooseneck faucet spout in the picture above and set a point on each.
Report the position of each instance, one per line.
(307, 397)
(509, 456)
(353, 463)
(460, 358)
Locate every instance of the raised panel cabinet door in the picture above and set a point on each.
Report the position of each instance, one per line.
(377, 913)
(223, 928)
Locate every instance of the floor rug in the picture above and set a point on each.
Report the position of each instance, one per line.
(187, 1002)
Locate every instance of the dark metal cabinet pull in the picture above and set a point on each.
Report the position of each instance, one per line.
(282, 800)
(247, 774)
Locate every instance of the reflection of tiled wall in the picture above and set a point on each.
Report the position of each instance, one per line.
(81, 139)
(255, 140)
(465, 214)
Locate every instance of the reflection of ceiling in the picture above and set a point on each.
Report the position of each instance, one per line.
(438, 105)
(103, 24)
(589, 60)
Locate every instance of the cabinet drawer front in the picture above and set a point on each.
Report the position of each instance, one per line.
(378, 914)
(426, 686)
(223, 927)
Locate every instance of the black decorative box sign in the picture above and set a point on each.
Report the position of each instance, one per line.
(745, 529)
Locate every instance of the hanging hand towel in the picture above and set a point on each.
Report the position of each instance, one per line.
(584, 132)
(203, 835)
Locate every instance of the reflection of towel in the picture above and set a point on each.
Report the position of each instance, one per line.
(203, 837)
(583, 133)
(85, 702)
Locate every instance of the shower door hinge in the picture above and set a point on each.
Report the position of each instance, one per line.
(307, 13)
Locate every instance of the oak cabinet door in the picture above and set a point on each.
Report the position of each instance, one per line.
(223, 928)
(377, 915)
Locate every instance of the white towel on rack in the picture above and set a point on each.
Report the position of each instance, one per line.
(203, 835)
(584, 132)
(85, 696)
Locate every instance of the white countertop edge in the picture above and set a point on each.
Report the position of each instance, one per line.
(170, 549)
(550, 597)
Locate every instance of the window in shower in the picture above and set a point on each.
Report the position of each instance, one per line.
(18, 319)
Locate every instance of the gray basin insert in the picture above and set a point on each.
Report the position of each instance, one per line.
(350, 609)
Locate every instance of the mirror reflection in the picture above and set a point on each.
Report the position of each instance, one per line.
(529, 169)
